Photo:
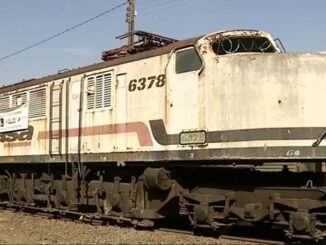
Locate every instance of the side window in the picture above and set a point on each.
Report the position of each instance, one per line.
(4, 102)
(187, 60)
(4, 105)
(36, 100)
(99, 91)
(19, 99)
(37, 103)
(90, 93)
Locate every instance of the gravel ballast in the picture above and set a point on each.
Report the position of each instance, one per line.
(23, 228)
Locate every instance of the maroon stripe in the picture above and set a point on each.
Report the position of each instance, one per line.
(140, 128)
(17, 144)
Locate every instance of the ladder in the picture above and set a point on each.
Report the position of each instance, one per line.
(55, 120)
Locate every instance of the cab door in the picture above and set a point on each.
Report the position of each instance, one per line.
(183, 95)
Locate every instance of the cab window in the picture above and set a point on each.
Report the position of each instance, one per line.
(187, 60)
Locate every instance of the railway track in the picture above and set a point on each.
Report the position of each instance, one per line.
(233, 236)
(253, 240)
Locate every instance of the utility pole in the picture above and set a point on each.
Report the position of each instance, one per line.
(131, 19)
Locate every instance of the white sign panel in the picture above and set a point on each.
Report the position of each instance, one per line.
(15, 119)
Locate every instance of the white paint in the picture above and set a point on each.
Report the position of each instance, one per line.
(74, 100)
(121, 111)
(183, 98)
(234, 92)
(15, 119)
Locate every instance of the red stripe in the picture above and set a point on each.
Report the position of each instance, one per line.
(17, 144)
(140, 128)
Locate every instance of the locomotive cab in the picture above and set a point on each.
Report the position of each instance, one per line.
(191, 74)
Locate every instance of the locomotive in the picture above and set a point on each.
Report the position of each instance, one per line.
(163, 129)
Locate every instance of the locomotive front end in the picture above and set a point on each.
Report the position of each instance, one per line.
(261, 106)
(261, 103)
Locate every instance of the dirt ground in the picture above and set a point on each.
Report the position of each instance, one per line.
(20, 228)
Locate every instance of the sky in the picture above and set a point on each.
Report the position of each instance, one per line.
(300, 24)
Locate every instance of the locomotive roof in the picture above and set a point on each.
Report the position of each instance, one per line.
(101, 65)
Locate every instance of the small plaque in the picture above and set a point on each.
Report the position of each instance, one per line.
(193, 137)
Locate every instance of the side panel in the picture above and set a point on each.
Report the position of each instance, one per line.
(121, 110)
(26, 141)
(74, 108)
(261, 107)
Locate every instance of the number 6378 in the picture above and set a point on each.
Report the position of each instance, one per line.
(147, 83)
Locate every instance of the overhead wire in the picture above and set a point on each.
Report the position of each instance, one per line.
(63, 32)
(154, 4)
(154, 8)
(169, 7)
(160, 7)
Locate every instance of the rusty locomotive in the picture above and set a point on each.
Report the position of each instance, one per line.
(165, 128)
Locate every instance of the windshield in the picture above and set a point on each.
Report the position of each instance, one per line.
(230, 45)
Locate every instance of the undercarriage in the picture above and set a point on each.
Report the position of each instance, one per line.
(211, 198)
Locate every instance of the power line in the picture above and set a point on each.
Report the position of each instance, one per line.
(63, 32)
(154, 4)
(175, 6)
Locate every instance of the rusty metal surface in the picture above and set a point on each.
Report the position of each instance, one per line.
(234, 196)
(146, 41)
